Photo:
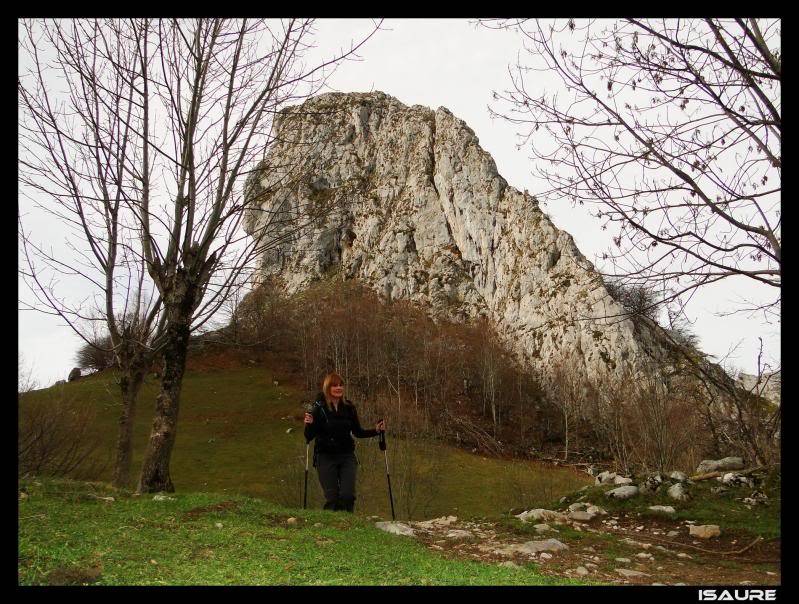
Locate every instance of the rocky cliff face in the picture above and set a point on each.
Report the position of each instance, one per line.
(421, 213)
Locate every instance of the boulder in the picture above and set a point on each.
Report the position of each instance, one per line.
(396, 528)
(595, 509)
(704, 531)
(606, 477)
(651, 484)
(720, 465)
(757, 497)
(74, 374)
(624, 492)
(678, 492)
(734, 479)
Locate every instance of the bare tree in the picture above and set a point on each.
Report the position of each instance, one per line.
(196, 116)
(78, 160)
(568, 393)
(672, 129)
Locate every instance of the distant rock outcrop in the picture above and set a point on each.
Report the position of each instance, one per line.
(421, 213)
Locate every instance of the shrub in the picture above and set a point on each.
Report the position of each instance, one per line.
(97, 356)
(57, 437)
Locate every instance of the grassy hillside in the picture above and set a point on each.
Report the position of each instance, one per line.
(232, 438)
(69, 535)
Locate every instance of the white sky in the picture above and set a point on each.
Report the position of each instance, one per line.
(455, 64)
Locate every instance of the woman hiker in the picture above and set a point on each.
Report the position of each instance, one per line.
(333, 422)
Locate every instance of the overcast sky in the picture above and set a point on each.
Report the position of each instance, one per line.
(455, 64)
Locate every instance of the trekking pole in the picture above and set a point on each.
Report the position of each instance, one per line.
(305, 489)
(382, 445)
(308, 409)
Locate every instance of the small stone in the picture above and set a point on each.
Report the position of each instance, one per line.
(581, 516)
(678, 476)
(624, 492)
(623, 560)
(508, 564)
(672, 533)
(626, 572)
(291, 520)
(663, 509)
(317, 525)
(685, 556)
(542, 528)
(581, 570)
(577, 506)
(546, 556)
(459, 534)
(678, 492)
(153, 562)
(622, 480)
(218, 525)
(396, 528)
(542, 515)
(289, 431)
(23, 495)
(643, 556)
(160, 497)
(705, 531)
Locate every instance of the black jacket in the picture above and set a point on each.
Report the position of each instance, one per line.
(333, 430)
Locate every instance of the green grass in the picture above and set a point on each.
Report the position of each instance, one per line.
(231, 439)
(69, 536)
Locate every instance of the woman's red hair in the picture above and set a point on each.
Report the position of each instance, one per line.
(332, 379)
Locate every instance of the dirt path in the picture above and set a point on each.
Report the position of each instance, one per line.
(614, 549)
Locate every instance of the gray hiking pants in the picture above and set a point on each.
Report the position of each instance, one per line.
(337, 477)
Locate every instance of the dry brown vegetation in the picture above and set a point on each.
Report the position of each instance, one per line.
(456, 383)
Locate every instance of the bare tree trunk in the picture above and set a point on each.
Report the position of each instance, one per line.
(155, 475)
(130, 384)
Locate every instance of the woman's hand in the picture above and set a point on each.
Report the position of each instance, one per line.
(380, 426)
(308, 418)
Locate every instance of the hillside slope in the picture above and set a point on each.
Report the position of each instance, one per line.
(240, 433)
